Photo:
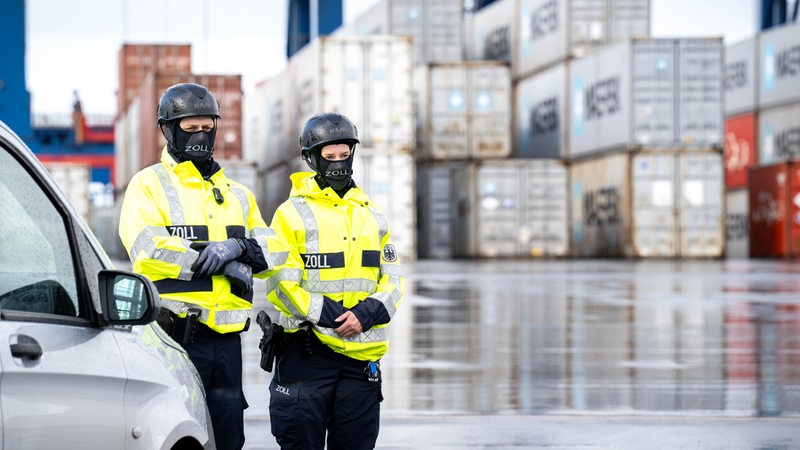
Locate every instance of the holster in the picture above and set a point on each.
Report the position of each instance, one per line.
(180, 329)
(271, 344)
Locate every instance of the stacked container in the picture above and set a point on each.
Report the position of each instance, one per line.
(655, 203)
(740, 83)
(434, 26)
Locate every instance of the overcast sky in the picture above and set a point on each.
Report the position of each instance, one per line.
(73, 45)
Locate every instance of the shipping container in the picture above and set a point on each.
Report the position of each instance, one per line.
(779, 58)
(436, 209)
(276, 186)
(436, 27)
(654, 93)
(368, 79)
(267, 130)
(774, 208)
(510, 208)
(740, 149)
(552, 31)
(127, 136)
(74, 180)
(541, 120)
(137, 61)
(463, 110)
(490, 32)
(737, 234)
(779, 133)
(388, 179)
(648, 204)
(741, 77)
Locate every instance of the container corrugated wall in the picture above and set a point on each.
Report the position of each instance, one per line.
(388, 179)
(436, 27)
(737, 228)
(740, 83)
(510, 208)
(648, 204)
(779, 133)
(540, 119)
(647, 93)
(463, 110)
(778, 57)
(368, 79)
(551, 31)
(774, 230)
(267, 130)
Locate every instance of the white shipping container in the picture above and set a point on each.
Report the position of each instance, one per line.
(73, 179)
(551, 31)
(779, 57)
(541, 119)
(652, 203)
(269, 141)
(779, 134)
(463, 110)
(654, 93)
(741, 76)
(491, 32)
(510, 208)
(434, 26)
(737, 224)
(368, 79)
(387, 177)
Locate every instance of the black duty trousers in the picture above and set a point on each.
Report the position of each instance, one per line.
(218, 359)
(325, 392)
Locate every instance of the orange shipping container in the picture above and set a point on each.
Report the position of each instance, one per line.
(136, 61)
(740, 149)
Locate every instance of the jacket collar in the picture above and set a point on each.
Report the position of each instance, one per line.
(304, 185)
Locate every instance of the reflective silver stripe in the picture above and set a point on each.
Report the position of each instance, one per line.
(274, 259)
(392, 269)
(312, 231)
(314, 305)
(144, 242)
(173, 199)
(343, 285)
(383, 224)
(286, 274)
(231, 317)
(242, 197)
(377, 334)
(390, 299)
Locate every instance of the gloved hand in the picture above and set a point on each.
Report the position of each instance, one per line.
(214, 257)
(240, 275)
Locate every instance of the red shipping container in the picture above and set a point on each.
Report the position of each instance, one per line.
(740, 149)
(774, 202)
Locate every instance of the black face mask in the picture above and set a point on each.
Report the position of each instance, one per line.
(336, 173)
(196, 147)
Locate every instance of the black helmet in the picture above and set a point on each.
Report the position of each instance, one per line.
(186, 100)
(327, 128)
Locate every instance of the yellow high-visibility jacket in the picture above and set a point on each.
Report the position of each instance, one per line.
(340, 256)
(167, 206)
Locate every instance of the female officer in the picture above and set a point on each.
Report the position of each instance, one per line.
(336, 295)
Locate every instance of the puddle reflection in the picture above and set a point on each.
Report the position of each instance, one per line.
(612, 336)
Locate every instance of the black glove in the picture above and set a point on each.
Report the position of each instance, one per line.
(215, 255)
(240, 275)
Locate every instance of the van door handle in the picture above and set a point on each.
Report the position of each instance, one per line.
(26, 347)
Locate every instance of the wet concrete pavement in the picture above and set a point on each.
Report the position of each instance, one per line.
(573, 354)
(585, 354)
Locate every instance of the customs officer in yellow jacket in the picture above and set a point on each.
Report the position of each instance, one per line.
(200, 237)
(336, 294)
